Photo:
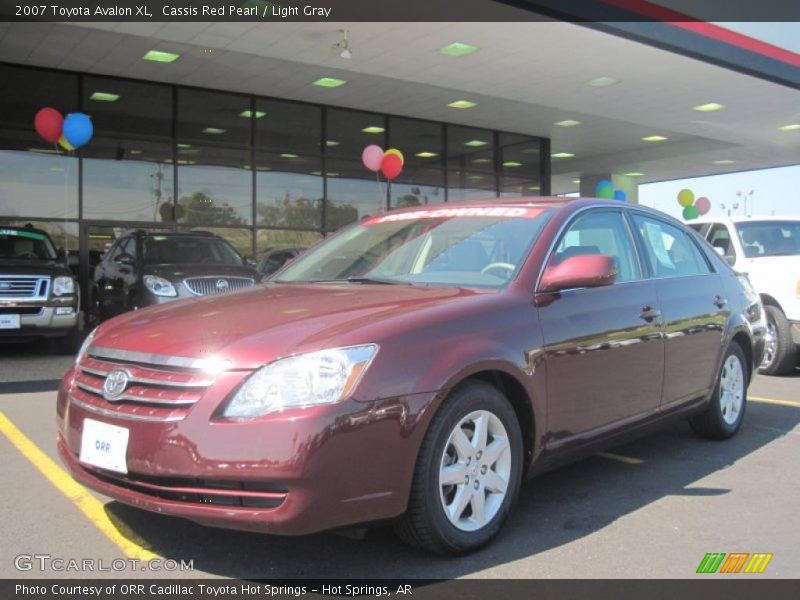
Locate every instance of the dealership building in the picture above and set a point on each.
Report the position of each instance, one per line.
(254, 131)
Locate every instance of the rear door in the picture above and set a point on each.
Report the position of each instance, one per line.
(603, 349)
(693, 307)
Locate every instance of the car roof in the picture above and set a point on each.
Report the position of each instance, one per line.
(203, 234)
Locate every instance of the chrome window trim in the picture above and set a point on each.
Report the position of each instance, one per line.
(118, 415)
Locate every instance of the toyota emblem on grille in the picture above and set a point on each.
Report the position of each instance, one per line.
(115, 384)
(222, 285)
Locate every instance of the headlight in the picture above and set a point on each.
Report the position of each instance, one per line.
(320, 377)
(63, 286)
(159, 286)
(85, 346)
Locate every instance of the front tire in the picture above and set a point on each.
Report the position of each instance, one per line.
(779, 352)
(724, 414)
(468, 473)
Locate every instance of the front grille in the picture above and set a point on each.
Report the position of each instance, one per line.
(158, 388)
(28, 287)
(206, 286)
(199, 491)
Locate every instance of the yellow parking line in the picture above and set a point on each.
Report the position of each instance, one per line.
(773, 401)
(90, 506)
(623, 459)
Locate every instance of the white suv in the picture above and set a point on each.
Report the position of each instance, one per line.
(767, 249)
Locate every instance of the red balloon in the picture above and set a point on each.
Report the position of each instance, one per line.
(48, 123)
(391, 166)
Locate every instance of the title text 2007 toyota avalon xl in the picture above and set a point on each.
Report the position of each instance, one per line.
(415, 367)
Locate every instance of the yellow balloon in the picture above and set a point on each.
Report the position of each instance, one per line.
(397, 153)
(686, 198)
(62, 141)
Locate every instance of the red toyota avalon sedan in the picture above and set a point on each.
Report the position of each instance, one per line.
(415, 366)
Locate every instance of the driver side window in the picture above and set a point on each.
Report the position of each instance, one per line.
(600, 232)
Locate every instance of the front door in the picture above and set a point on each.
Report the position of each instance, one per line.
(604, 354)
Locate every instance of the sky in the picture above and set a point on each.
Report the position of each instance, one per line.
(775, 192)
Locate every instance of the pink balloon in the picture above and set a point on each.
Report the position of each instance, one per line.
(703, 205)
(372, 157)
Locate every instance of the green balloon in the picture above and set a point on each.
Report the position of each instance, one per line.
(690, 212)
(606, 192)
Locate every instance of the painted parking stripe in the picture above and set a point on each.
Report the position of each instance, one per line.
(90, 506)
(628, 460)
(773, 401)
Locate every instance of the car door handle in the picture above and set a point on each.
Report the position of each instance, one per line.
(649, 313)
(719, 301)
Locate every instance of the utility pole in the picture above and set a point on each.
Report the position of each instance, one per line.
(745, 196)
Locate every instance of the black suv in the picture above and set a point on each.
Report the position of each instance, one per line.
(143, 268)
(39, 295)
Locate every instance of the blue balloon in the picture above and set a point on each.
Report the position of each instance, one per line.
(620, 195)
(78, 129)
(603, 183)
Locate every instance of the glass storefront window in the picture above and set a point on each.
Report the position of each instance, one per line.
(353, 193)
(422, 179)
(348, 132)
(128, 180)
(290, 190)
(288, 127)
(24, 91)
(215, 186)
(466, 185)
(214, 117)
(520, 166)
(470, 149)
(128, 108)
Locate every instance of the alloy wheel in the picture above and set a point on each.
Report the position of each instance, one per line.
(731, 389)
(475, 471)
(770, 344)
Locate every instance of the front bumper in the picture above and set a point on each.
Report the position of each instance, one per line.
(289, 473)
(45, 322)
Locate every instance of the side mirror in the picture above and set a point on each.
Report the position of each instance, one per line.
(250, 262)
(124, 259)
(590, 270)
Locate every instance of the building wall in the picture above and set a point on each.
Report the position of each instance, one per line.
(261, 172)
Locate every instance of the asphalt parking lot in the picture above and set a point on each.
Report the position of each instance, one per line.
(651, 508)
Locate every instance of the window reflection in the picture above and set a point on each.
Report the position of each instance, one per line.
(127, 108)
(213, 117)
(215, 186)
(353, 193)
(40, 183)
(128, 180)
(290, 190)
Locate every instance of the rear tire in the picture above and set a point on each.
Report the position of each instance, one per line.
(724, 413)
(779, 353)
(468, 473)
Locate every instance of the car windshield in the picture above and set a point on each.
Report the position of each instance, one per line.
(19, 244)
(459, 247)
(770, 238)
(176, 249)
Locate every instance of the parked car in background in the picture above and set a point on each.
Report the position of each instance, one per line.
(141, 269)
(767, 249)
(39, 295)
(415, 366)
(275, 258)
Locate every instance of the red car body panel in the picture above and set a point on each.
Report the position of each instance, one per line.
(327, 466)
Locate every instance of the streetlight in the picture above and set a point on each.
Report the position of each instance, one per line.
(744, 197)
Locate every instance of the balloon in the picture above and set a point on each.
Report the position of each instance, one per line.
(690, 212)
(396, 152)
(78, 129)
(372, 157)
(606, 192)
(391, 166)
(620, 195)
(603, 183)
(65, 144)
(703, 205)
(48, 123)
(685, 197)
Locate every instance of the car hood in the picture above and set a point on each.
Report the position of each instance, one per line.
(181, 272)
(32, 267)
(257, 325)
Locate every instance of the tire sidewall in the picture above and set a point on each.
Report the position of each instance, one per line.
(472, 397)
